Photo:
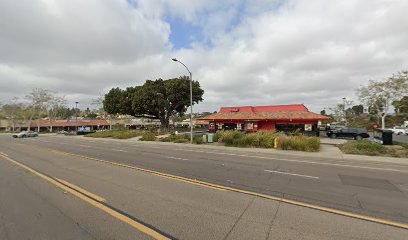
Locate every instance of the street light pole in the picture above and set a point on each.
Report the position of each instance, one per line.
(76, 117)
(191, 99)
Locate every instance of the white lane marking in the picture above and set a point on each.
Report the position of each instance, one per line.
(300, 161)
(183, 159)
(287, 160)
(293, 174)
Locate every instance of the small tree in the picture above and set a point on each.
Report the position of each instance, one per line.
(54, 105)
(39, 99)
(379, 95)
(12, 111)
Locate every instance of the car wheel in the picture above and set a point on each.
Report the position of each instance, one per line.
(400, 133)
(358, 137)
(333, 135)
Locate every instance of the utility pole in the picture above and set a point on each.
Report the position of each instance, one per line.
(76, 117)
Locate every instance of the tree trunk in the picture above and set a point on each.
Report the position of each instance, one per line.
(383, 121)
(29, 123)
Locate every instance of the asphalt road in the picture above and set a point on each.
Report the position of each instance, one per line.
(32, 208)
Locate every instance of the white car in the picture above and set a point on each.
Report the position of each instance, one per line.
(25, 134)
(399, 130)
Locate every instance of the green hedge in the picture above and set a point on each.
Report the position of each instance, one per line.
(266, 139)
(115, 134)
(148, 136)
(299, 143)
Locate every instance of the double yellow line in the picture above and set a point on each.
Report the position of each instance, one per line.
(231, 189)
(92, 199)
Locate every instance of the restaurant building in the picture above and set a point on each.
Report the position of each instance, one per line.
(285, 118)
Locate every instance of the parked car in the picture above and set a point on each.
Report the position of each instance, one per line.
(346, 132)
(399, 130)
(25, 134)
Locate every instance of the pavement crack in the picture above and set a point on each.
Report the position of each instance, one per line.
(272, 221)
(239, 218)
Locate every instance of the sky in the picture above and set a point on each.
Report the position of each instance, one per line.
(258, 52)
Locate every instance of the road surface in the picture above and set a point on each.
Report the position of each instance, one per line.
(57, 187)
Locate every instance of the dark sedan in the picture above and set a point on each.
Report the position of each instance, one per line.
(346, 132)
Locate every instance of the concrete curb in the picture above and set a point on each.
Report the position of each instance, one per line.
(330, 153)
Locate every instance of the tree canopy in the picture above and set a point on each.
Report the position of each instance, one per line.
(160, 98)
(379, 95)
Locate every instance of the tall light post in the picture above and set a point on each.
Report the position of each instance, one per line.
(191, 99)
(344, 110)
(76, 116)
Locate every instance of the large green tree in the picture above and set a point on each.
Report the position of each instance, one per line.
(160, 98)
(401, 106)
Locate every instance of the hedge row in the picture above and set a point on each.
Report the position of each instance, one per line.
(264, 139)
(122, 134)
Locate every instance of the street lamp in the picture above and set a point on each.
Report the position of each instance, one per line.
(76, 116)
(191, 99)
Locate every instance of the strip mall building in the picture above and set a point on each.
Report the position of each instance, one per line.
(284, 118)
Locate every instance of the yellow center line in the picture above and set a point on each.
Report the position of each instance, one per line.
(79, 189)
(142, 228)
(225, 188)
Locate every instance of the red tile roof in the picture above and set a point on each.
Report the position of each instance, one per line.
(274, 108)
(46, 123)
(283, 112)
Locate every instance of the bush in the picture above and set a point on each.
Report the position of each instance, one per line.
(114, 134)
(283, 142)
(267, 139)
(181, 138)
(302, 143)
(198, 140)
(363, 147)
(231, 138)
(148, 136)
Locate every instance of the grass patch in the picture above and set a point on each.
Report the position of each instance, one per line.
(122, 134)
(364, 147)
(148, 136)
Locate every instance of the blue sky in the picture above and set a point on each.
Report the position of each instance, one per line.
(184, 33)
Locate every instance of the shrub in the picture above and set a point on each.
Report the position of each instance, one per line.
(302, 143)
(198, 140)
(363, 147)
(148, 136)
(231, 138)
(283, 142)
(218, 136)
(114, 134)
(267, 139)
(248, 140)
(176, 138)
(181, 140)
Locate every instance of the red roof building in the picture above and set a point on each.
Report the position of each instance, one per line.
(268, 118)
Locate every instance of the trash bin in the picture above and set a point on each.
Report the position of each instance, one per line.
(204, 138)
(210, 137)
(383, 136)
